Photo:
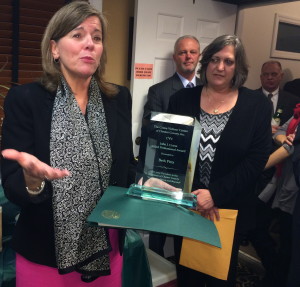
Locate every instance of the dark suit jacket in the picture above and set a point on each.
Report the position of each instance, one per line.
(296, 156)
(241, 152)
(286, 102)
(160, 93)
(293, 87)
(26, 127)
(294, 279)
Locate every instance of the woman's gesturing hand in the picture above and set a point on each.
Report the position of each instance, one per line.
(33, 168)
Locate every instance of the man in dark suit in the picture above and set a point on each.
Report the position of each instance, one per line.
(271, 77)
(293, 87)
(186, 57)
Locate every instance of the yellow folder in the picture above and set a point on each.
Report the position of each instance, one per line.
(209, 259)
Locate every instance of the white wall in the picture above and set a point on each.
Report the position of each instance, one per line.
(255, 28)
(97, 4)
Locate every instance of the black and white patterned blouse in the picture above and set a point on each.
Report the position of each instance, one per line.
(211, 128)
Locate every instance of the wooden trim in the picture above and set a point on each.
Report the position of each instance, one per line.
(15, 41)
(30, 59)
(22, 24)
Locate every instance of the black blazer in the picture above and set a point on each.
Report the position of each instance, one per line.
(160, 93)
(296, 156)
(241, 152)
(287, 102)
(26, 127)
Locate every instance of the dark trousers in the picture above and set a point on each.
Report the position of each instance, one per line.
(294, 273)
(191, 278)
(275, 257)
(285, 245)
(263, 243)
(157, 242)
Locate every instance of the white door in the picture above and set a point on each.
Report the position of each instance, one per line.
(158, 23)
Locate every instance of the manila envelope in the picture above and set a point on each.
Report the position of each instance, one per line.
(209, 259)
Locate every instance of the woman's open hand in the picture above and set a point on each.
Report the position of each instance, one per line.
(33, 168)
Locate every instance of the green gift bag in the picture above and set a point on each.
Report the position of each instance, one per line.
(136, 270)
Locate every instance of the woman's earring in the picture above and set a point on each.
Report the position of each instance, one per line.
(56, 60)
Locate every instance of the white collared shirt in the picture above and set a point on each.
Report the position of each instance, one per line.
(185, 81)
(274, 99)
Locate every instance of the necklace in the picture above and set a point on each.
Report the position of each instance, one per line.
(215, 109)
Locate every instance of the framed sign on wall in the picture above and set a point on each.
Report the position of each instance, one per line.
(286, 40)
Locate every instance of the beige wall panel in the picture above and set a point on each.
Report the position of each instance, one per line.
(255, 27)
(118, 13)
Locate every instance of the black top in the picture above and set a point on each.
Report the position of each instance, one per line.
(286, 102)
(26, 127)
(241, 152)
(160, 93)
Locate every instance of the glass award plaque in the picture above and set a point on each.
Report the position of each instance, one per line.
(168, 154)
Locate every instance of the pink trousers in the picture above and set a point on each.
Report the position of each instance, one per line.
(29, 274)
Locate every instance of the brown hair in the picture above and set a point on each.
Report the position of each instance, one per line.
(63, 21)
(241, 67)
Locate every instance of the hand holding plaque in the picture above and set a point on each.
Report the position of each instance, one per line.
(158, 183)
(168, 153)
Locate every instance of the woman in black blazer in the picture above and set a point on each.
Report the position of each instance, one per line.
(64, 140)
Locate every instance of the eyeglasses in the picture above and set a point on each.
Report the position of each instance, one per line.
(216, 60)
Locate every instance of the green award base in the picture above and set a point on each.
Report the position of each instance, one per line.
(188, 200)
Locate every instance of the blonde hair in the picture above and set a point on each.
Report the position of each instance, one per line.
(64, 21)
(185, 37)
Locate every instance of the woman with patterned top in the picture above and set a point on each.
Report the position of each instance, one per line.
(234, 145)
(64, 140)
